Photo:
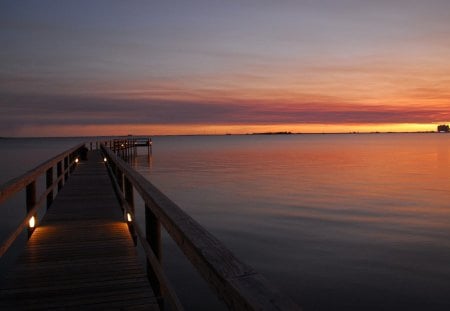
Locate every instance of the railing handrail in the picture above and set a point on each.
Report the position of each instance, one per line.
(241, 287)
(14, 185)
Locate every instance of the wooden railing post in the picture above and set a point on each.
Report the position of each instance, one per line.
(49, 183)
(129, 197)
(59, 174)
(66, 168)
(120, 179)
(129, 193)
(31, 201)
(153, 232)
(153, 237)
(72, 157)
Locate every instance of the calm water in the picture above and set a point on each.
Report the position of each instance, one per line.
(356, 222)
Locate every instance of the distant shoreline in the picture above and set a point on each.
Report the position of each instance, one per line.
(226, 134)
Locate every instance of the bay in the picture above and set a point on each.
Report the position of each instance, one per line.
(358, 222)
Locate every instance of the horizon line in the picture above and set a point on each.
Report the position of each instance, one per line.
(236, 134)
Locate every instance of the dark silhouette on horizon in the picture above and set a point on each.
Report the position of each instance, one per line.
(443, 128)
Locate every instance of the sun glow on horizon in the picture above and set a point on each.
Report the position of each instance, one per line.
(202, 129)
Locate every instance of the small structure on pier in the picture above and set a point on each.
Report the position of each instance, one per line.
(443, 128)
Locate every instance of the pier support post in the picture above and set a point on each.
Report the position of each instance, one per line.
(129, 197)
(72, 157)
(153, 232)
(31, 201)
(119, 176)
(153, 236)
(70, 163)
(129, 193)
(49, 183)
(59, 174)
(66, 168)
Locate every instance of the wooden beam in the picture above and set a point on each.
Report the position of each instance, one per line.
(31, 201)
(48, 184)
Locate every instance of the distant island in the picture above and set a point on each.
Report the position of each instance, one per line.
(273, 133)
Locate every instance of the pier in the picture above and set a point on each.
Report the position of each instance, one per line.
(82, 255)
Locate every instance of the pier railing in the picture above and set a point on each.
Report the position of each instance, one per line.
(236, 283)
(64, 164)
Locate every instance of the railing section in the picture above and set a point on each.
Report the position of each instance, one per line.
(236, 283)
(65, 164)
(124, 146)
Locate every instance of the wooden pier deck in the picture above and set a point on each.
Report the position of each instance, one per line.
(81, 256)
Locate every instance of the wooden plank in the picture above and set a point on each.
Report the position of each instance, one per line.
(82, 255)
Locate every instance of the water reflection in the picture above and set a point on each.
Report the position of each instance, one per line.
(355, 222)
(336, 221)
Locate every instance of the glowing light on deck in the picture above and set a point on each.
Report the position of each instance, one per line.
(32, 222)
(129, 219)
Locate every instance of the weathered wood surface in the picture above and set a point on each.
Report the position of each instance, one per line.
(81, 256)
(241, 287)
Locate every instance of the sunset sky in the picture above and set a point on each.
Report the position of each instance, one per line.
(212, 67)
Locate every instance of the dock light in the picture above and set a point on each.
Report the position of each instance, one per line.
(32, 222)
(122, 145)
(76, 160)
(105, 159)
(129, 219)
